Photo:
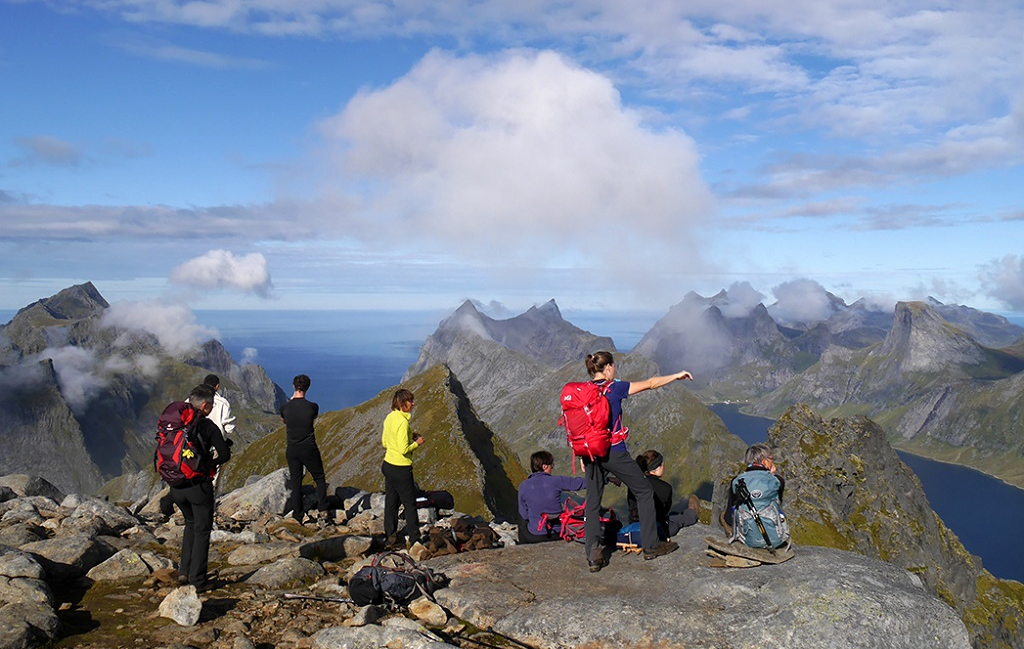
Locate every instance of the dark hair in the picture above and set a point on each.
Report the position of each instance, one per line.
(211, 380)
(301, 383)
(539, 459)
(598, 361)
(650, 460)
(402, 397)
(201, 394)
(757, 454)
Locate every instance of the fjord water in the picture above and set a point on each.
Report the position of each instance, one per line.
(986, 515)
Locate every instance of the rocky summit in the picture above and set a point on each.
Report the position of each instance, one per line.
(100, 576)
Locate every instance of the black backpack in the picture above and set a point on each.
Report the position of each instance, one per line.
(393, 579)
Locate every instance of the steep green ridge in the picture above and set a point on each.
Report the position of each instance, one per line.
(461, 454)
(846, 488)
(516, 392)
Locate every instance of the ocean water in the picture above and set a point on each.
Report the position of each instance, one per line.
(983, 512)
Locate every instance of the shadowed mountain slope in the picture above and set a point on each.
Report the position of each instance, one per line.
(81, 398)
(461, 454)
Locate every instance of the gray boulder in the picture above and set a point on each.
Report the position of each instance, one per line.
(182, 605)
(128, 564)
(88, 514)
(287, 572)
(377, 636)
(27, 615)
(248, 503)
(30, 485)
(70, 556)
(821, 599)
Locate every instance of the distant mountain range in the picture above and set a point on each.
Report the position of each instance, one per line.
(79, 397)
(945, 381)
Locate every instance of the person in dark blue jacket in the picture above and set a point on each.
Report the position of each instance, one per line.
(540, 494)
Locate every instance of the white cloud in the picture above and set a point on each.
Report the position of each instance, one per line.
(800, 301)
(250, 355)
(173, 325)
(524, 151)
(79, 374)
(1003, 279)
(742, 298)
(221, 269)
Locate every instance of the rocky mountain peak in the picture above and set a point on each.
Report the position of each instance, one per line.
(73, 303)
(923, 341)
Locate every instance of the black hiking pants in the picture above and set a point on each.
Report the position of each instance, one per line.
(624, 468)
(196, 503)
(399, 486)
(308, 456)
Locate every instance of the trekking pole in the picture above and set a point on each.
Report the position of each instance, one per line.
(315, 598)
(743, 494)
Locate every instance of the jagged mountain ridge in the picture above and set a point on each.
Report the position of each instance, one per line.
(91, 393)
(935, 389)
(515, 391)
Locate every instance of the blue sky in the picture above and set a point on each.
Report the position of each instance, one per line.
(338, 154)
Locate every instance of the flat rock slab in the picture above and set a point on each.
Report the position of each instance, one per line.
(721, 545)
(544, 596)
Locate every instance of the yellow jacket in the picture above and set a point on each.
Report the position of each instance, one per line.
(397, 439)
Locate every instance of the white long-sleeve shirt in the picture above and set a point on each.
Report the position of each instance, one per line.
(221, 415)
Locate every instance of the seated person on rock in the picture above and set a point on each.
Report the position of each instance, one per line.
(652, 463)
(540, 494)
(761, 487)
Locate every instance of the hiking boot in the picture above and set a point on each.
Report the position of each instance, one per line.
(694, 502)
(596, 564)
(183, 580)
(661, 549)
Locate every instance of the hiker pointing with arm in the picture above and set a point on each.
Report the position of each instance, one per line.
(601, 367)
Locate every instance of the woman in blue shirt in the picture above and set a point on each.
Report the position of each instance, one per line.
(601, 367)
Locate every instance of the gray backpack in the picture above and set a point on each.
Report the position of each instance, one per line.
(763, 489)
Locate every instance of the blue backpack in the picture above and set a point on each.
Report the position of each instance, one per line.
(763, 488)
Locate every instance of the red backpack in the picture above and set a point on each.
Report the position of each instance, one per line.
(180, 455)
(585, 416)
(571, 521)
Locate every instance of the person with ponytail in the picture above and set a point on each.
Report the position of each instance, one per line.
(618, 463)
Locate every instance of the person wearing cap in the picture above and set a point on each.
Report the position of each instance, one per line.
(652, 463)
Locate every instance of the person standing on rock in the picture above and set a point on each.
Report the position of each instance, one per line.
(399, 487)
(301, 450)
(195, 497)
(601, 367)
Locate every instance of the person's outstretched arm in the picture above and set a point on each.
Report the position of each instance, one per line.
(658, 381)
